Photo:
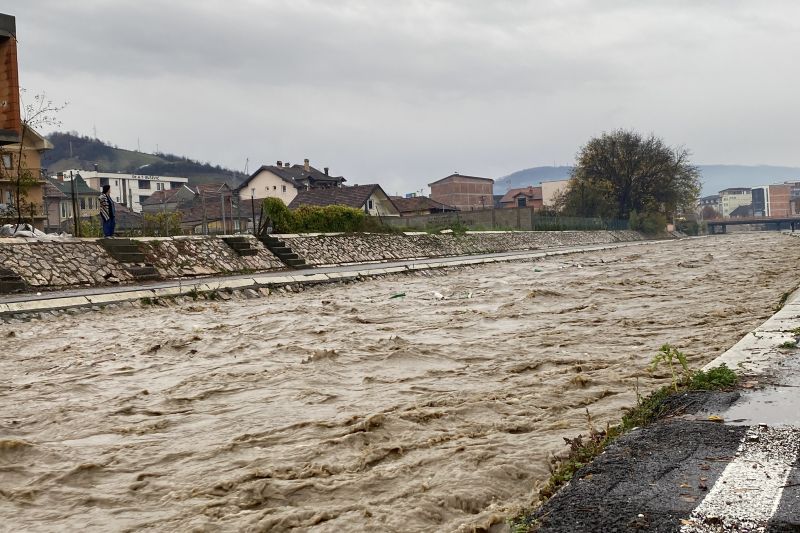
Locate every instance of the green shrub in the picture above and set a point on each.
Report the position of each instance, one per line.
(648, 223)
(331, 218)
(162, 224)
(275, 213)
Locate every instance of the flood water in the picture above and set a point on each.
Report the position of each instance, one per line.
(342, 409)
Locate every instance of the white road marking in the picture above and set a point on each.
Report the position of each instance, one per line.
(748, 492)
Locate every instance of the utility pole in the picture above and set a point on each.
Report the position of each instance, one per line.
(74, 202)
(253, 207)
(222, 207)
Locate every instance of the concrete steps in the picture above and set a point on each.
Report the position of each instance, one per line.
(241, 245)
(127, 252)
(11, 282)
(283, 252)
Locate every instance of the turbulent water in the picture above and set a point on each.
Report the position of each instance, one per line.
(342, 409)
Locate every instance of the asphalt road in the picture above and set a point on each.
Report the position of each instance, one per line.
(688, 474)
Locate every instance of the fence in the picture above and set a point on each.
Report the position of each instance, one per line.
(517, 218)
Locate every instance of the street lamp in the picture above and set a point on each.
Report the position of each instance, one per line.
(253, 207)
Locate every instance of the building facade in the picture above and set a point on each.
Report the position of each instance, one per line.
(10, 118)
(21, 180)
(734, 197)
(284, 181)
(464, 192)
(551, 190)
(523, 197)
(63, 199)
(130, 190)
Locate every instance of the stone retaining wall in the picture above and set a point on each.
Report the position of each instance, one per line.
(82, 262)
(45, 264)
(204, 256)
(331, 249)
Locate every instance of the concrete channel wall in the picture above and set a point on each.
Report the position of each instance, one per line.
(49, 265)
(337, 249)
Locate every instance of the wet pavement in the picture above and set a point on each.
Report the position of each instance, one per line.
(687, 473)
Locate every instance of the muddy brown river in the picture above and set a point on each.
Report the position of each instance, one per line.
(342, 409)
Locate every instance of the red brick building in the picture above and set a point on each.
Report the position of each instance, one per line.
(463, 192)
(523, 197)
(10, 124)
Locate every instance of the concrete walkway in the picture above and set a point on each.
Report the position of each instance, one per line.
(91, 296)
(693, 474)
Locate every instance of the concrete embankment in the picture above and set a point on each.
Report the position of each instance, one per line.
(29, 305)
(36, 265)
(722, 461)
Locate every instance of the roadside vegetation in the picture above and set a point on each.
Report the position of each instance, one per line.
(584, 448)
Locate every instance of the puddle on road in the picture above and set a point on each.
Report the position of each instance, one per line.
(777, 403)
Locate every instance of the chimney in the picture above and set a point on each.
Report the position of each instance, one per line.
(306, 165)
(60, 176)
(280, 163)
(326, 170)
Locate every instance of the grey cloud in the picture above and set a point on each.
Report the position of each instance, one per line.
(405, 90)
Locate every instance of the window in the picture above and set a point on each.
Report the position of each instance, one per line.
(174, 185)
(7, 162)
(283, 188)
(63, 210)
(144, 184)
(116, 182)
(369, 205)
(159, 186)
(522, 201)
(117, 200)
(83, 203)
(142, 199)
(274, 187)
(103, 181)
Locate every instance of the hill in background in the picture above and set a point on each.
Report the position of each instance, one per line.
(714, 177)
(72, 151)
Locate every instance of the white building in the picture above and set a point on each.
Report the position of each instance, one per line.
(128, 189)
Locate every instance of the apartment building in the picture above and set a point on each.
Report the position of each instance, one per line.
(130, 190)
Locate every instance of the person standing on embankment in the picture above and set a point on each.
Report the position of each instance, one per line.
(107, 212)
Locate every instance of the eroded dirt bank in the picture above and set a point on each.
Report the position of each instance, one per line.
(342, 409)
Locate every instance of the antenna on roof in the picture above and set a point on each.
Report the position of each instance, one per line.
(246, 165)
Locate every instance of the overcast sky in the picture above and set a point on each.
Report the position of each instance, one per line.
(404, 92)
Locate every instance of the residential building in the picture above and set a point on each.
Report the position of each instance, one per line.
(130, 190)
(369, 198)
(523, 197)
(780, 197)
(710, 206)
(419, 205)
(23, 159)
(734, 197)
(62, 198)
(775, 200)
(284, 181)
(761, 203)
(213, 210)
(168, 200)
(551, 190)
(463, 192)
(743, 211)
(10, 118)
